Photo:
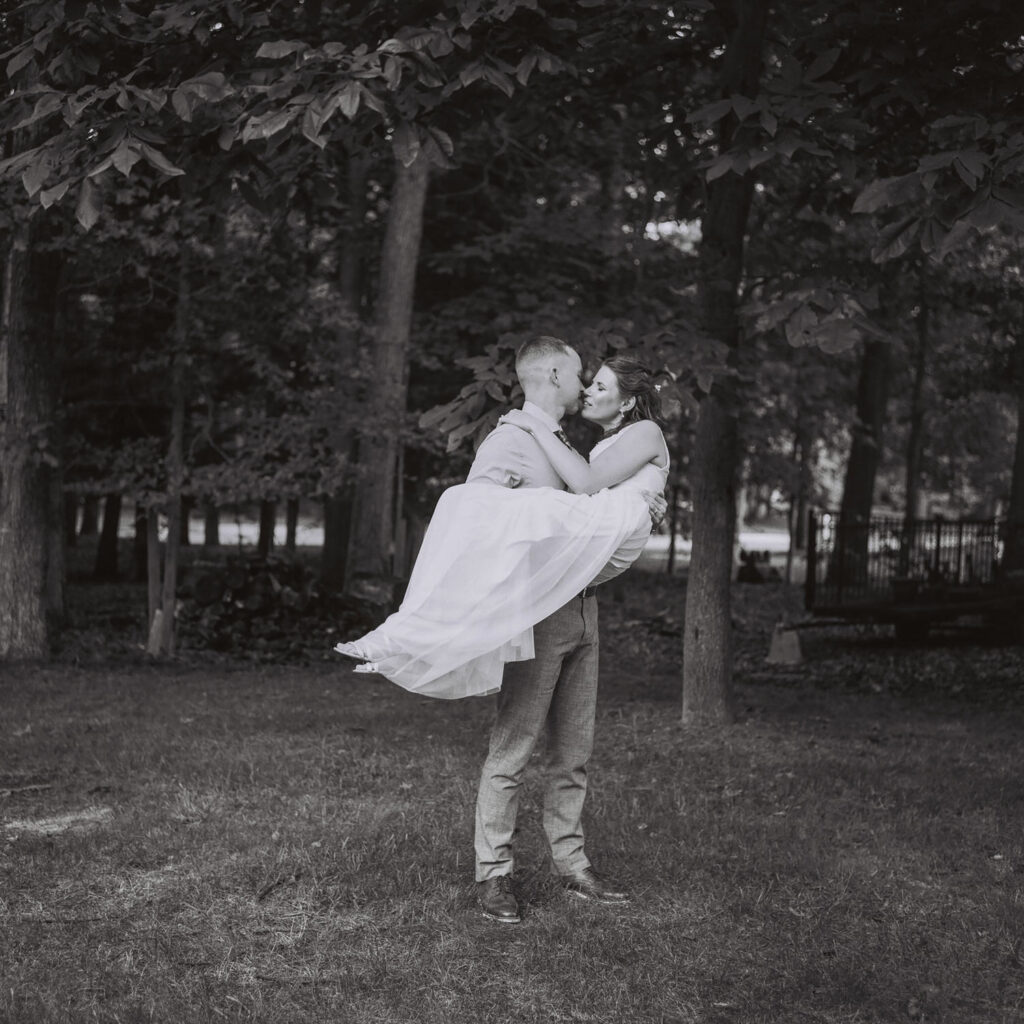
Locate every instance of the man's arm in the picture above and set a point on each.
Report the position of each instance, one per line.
(499, 459)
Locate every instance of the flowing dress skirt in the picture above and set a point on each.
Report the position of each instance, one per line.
(495, 561)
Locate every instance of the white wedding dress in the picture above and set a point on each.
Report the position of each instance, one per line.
(495, 561)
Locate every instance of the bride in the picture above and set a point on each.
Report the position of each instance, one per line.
(497, 560)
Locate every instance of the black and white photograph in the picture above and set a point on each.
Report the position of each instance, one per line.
(512, 512)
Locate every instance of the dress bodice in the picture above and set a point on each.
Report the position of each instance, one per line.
(648, 477)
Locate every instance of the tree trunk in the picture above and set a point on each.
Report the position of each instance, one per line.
(153, 574)
(166, 639)
(805, 478)
(56, 556)
(851, 550)
(27, 401)
(106, 551)
(268, 520)
(707, 634)
(916, 432)
(70, 520)
(338, 506)
(90, 525)
(139, 553)
(337, 531)
(1013, 558)
(187, 504)
(211, 526)
(372, 546)
(291, 524)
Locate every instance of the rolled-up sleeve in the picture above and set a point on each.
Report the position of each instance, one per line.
(499, 459)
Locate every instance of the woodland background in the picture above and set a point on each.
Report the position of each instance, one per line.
(258, 254)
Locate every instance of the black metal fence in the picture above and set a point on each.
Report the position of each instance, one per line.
(890, 559)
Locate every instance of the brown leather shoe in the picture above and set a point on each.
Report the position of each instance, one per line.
(497, 900)
(587, 884)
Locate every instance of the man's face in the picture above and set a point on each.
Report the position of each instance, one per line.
(570, 384)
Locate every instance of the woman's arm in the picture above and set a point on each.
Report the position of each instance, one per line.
(639, 445)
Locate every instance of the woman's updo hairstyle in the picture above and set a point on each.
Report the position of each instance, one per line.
(636, 381)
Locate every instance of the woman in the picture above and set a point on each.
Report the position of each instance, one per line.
(495, 561)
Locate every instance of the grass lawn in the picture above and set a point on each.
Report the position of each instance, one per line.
(214, 841)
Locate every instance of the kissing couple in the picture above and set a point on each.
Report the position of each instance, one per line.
(502, 598)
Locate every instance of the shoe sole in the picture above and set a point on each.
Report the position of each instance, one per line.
(501, 920)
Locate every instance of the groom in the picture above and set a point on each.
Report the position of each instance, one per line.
(557, 689)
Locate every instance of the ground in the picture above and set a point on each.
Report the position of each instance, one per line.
(220, 839)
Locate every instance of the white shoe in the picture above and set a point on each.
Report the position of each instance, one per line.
(350, 650)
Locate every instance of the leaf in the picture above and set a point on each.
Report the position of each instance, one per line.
(822, 64)
(434, 154)
(525, 68)
(836, 335)
(281, 48)
(183, 102)
(16, 63)
(49, 196)
(265, 125)
(36, 173)
(769, 122)
(443, 139)
(500, 80)
(988, 214)
(125, 157)
(710, 113)
(393, 71)
(886, 192)
(159, 161)
(312, 122)
(800, 326)
(931, 236)
(45, 106)
(87, 212)
(744, 107)
(435, 415)
(956, 237)
(935, 161)
(721, 166)
(971, 166)
(955, 121)
(406, 143)
(897, 240)
(211, 86)
(348, 99)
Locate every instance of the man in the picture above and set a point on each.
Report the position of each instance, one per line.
(558, 687)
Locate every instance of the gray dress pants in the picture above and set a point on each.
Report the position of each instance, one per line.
(557, 689)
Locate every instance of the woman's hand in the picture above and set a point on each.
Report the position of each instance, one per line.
(522, 420)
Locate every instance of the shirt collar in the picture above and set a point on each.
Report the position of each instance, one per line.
(538, 413)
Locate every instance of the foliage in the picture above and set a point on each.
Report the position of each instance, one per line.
(558, 136)
(262, 609)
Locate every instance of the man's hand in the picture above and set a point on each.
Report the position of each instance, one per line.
(657, 505)
(522, 420)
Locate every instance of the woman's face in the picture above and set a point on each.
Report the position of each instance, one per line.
(602, 401)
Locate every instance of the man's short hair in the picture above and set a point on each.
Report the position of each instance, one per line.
(537, 349)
